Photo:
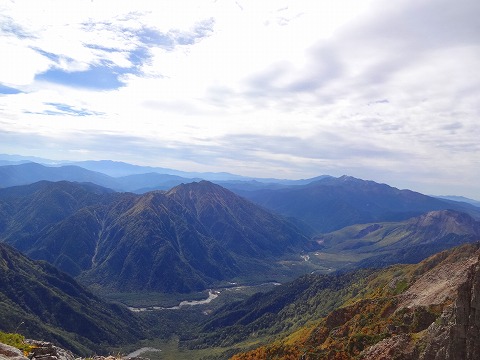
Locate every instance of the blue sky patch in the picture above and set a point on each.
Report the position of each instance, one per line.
(107, 75)
(70, 110)
(150, 36)
(139, 56)
(64, 109)
(97, 77)
(7, 90)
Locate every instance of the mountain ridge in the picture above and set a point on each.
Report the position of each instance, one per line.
(175, 241)
(332, 203)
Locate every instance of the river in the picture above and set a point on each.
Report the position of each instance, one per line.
(211, 295)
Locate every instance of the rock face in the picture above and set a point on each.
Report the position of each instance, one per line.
(457, 334)
(47, 351)
(397, 347)
(8, 352)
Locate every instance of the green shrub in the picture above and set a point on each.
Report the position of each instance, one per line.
(15, 340)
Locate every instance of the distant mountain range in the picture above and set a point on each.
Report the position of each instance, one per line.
(28, 173)
(460, 199)
(127, 177)
(318, 205)
(331, 203)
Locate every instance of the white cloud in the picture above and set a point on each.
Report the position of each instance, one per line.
(19, 64)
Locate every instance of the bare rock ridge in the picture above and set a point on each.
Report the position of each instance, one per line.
(457, 334)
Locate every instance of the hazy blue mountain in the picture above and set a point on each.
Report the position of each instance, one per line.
(332, 203)
(142, 183)
(19, 159)
(28, 173)
(8, 162)
(118, 169)
(265, 184)
(459, 199)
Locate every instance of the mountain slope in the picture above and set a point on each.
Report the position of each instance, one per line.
(408, 241)
(423, 311)
(333, 203)
(27, 210)
(188, 238)
(286, 308)
(42, 302)
(240, 224)
(179, 241)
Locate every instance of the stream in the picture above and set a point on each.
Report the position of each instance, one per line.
(211, 295)
(139, 352)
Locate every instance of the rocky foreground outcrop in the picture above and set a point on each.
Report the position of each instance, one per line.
(42, 350)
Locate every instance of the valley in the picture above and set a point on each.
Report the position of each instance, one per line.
(211, 269)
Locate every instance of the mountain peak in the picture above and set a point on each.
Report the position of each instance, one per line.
(202, 189)
(452, 221)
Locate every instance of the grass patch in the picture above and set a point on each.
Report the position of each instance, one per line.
(15, 340)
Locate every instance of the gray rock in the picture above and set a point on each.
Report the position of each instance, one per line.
(47, 351)
(8, 352)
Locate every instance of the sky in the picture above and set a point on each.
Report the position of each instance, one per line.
(381, 90)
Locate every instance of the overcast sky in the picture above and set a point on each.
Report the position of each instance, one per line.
(381, 90)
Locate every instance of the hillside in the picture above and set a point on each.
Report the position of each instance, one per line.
(41, 302)
(332, 203)
(27, 210)
(285, 308)
(179, 241)
(410, 241)
(421, 311)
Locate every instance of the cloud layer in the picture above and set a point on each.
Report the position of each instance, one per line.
(388, 92)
